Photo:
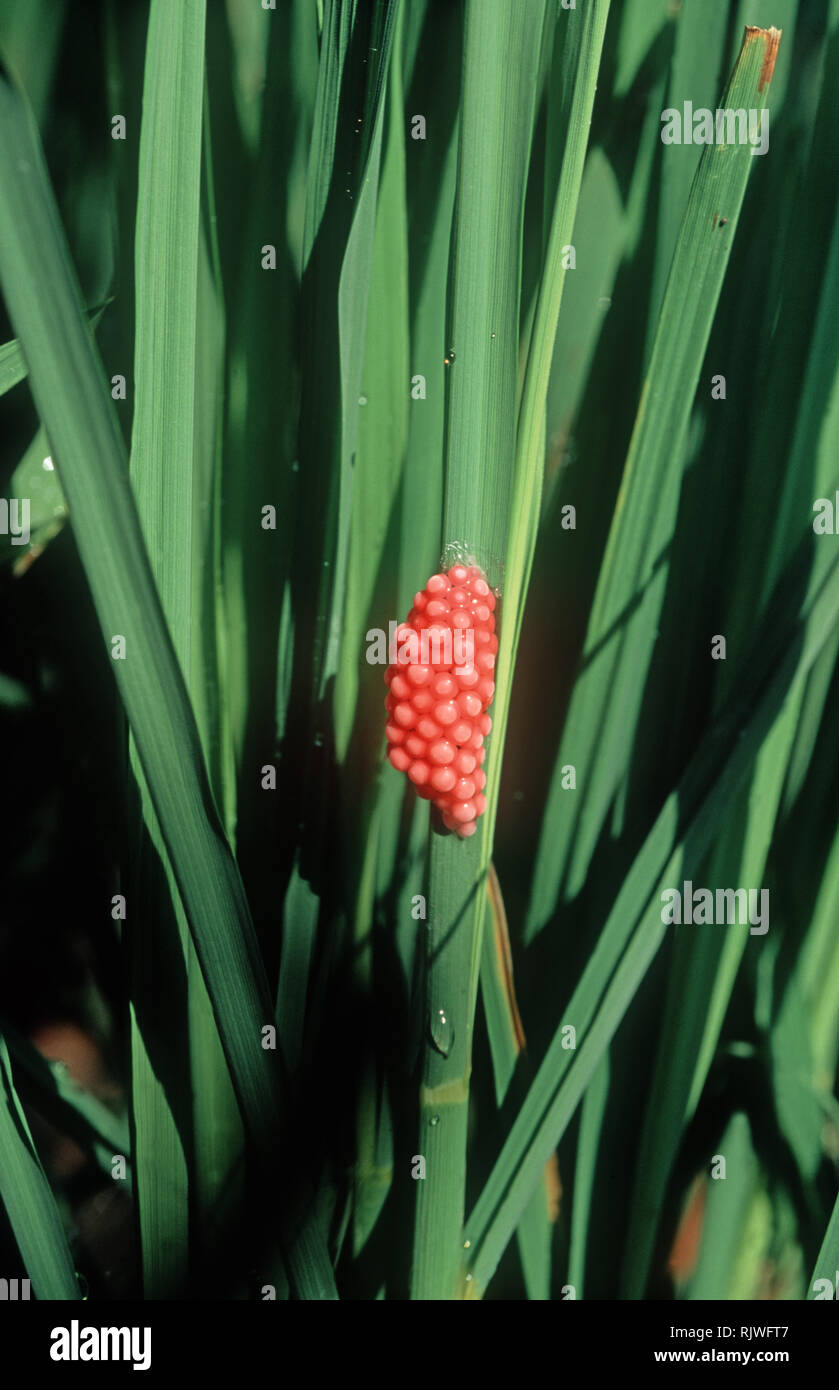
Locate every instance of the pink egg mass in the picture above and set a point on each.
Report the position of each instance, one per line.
(439, 690)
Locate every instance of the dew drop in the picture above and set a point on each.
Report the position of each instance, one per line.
(83, 1285)
(362, 400)
(48, 464)
(466, 1244)
(442, 1031)
(295, 467)
(435, 1120)
(448, 360)
(318, 740)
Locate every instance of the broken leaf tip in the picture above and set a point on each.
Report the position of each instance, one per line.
(771, 38)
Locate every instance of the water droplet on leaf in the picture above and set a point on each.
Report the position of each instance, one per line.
(442, 1031)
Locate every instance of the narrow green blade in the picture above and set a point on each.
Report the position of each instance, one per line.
(599, 730)
(166, 252)
(503, 49)
(69, 388)
(501, 56)
(785, 649)
(827, 1262)
(727, 1212)
(28, 1199)
(51, 1091)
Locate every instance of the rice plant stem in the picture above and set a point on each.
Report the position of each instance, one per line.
(502, 50)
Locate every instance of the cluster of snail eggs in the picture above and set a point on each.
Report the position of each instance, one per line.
(439, 690)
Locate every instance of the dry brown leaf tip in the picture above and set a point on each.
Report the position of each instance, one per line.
(771, 39)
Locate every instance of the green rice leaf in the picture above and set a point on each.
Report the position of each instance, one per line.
(69, 388)
(501, 62)
(74, 1111)
(727, 1212)
(599, 730)
(28, 1200)
(13, 367)
(501, 56)
(827, 1261)
(785, 648)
